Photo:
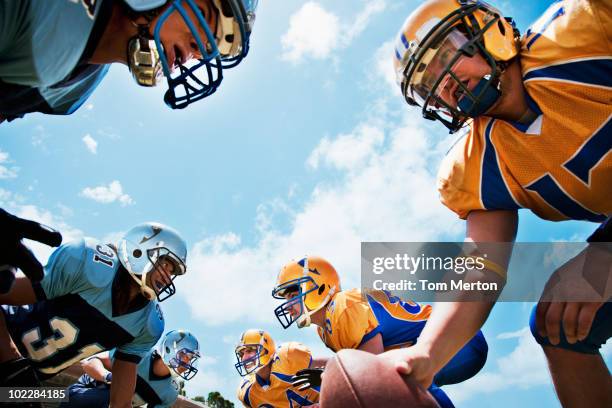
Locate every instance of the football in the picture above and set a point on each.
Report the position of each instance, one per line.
(356, 378)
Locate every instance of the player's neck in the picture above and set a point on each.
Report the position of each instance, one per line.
(318, 317)
(512, 105)
(113, 43)
(264, 372)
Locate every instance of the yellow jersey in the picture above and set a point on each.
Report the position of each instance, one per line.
(559, 166)
(352, 319)
(289, 358)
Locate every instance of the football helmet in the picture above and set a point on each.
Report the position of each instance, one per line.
(180, 352)
(430, 44)
(218, 50)
(308, 285)
(143, 247)
(259, 341)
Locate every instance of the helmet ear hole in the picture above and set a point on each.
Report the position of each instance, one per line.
(501, 27)
(137, 253)
(321, 288)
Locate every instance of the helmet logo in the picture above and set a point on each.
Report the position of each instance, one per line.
(314, 270)
(156, 231)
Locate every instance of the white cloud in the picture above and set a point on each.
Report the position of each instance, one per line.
(384, 67)
(315, 32)
(524, 367)
(108, 194)
(7, 172)
(348, 149)
(386, 191)
(90, 143)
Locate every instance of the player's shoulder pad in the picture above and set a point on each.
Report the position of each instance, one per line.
(296, 348)
(100, 261)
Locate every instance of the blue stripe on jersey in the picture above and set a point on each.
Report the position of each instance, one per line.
(282, 377)
(550, 191)
(493, 190)
(247, 401)
(395, 331)
(558, 13)
(595, 71)
(594, 150)
(369, 336)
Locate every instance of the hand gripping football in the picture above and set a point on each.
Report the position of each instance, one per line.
(359, 379)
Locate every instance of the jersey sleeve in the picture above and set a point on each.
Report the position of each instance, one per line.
(142, 344)
(64, 271)
(459, 175)
(243, 392)
(355, 325)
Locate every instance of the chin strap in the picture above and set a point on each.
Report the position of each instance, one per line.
(142, 53)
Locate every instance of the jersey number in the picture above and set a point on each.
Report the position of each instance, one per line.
(590, 154)
(64, 335)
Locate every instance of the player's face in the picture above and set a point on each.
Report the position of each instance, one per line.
(294, 309)
(179, 44)
(162, 274)
(469, 71)
(247, 353)
(184, 358)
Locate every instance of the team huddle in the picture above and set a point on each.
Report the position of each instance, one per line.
(537, 115)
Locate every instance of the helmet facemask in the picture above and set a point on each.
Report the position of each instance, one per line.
(427, 68)
(219, 50)
(184, 363)
(251, 364)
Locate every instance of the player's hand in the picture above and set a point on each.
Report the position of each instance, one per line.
(576, 317)
(413, 361)
(307, 378)
(14, 254)
(574, 294)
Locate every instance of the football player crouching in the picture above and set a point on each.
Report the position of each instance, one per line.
(93, 297)
(375, 323)
(269, 371)
(536, 110)
(158, 374)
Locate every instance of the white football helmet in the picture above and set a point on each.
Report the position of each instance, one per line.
(180, 351)
(143, 247)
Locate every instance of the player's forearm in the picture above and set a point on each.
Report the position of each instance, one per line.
(95, 369)
(462, 319)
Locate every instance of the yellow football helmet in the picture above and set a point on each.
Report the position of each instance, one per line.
(432, 41)
(308, 285)
(262, 343)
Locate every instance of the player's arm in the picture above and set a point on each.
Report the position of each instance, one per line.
(452, 324)
(319, 362)
(21, 293)
(124, 384)
(373, 345)
(98, 367)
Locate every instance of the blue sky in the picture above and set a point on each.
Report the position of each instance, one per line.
(306, 148)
